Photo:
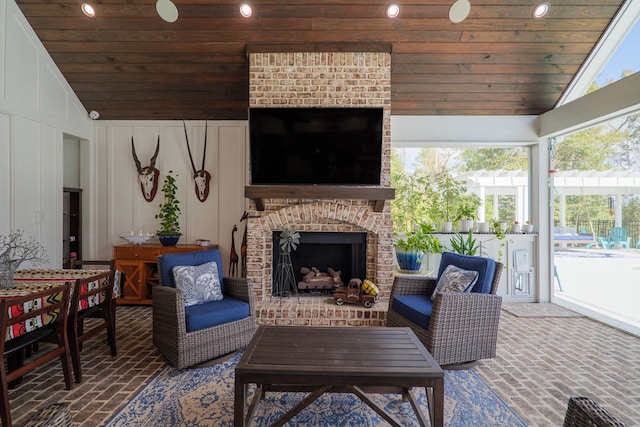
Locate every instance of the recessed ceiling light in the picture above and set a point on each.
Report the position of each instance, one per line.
(167, 10)
(459, 11)
(246, 10)
(393, 10)
(541, 10)
(88, 10)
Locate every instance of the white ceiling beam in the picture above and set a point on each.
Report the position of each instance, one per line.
(615, 100)
(425, 131)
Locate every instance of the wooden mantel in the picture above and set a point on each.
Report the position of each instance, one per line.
(353, 192)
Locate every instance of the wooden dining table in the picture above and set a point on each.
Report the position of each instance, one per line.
(61, 275)
(34, 280)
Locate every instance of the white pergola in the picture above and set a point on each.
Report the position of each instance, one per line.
(565, 183)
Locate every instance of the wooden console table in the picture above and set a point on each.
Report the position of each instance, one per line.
(138, 263)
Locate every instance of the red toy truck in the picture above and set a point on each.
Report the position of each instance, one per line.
(353, 294)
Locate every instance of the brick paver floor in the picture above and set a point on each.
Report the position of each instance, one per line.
(541, 361)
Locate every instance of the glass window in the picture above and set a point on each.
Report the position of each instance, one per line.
(596, 231)
(497, 177)
(624, 61)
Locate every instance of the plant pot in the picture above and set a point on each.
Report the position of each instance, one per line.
(169, 240)
(7, 270)
(464, 225)
(447, 227)
(409, 260)
(483, 227)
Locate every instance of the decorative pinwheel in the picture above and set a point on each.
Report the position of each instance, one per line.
(289, 240)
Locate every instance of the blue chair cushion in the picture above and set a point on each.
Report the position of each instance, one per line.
(416, 308)
(215, 313)
(168, 261)
(486, 267)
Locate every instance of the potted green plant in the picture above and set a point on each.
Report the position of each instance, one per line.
(464, 245)
(467, 205)
(412, 247)
(500, 230)
(452, 202)
(169, 232)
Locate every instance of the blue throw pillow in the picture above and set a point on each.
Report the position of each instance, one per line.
(454, 279)
(199, 283)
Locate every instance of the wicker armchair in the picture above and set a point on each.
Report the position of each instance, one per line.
(584, 412)
(184, 348)
(462, 327)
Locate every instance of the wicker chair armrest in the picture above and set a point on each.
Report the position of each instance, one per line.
(168, 308)
(455, 307)
(406, 285)
(582, 411)
(463, 327)
(241, 289)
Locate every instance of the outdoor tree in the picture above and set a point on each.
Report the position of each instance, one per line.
(473, 159)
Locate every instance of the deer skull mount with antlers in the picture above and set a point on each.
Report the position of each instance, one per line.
(201, 177)
(147, 176)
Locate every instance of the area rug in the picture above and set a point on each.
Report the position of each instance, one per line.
(535, 309)
(204, 397)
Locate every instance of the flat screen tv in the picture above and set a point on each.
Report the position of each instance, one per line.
(315, 146)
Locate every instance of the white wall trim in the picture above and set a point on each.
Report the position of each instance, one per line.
(423, 131)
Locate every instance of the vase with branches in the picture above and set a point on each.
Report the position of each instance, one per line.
(16, 249)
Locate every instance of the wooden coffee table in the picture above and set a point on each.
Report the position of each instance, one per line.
(320, 360)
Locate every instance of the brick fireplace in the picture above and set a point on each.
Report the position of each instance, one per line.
(321, 79)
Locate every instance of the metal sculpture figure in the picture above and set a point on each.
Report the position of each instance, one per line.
(147, 176)
(201, 177)
(243, 246)
(233, 256)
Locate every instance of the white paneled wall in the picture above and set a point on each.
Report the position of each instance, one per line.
(119, 203)
(37, 107)
(5, 172)
(22, 63)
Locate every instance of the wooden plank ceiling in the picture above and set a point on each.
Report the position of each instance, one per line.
(127, 63)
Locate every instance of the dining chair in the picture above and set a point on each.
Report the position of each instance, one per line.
(91, 295)
(25, 320)
(102, 264)
(80, 264)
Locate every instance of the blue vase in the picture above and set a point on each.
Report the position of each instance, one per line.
(169, 240)
(409, 260)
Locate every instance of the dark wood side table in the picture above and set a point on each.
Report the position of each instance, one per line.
(338, 359)
(138, 263)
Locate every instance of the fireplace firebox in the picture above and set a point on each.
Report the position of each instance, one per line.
(325, 253)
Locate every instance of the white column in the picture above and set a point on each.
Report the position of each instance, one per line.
(618, 210)
(562, 202)
(482, 193)
(520, 196)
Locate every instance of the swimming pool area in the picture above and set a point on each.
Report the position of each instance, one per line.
(600, 283)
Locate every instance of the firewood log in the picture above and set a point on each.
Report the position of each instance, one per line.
(336, 275)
